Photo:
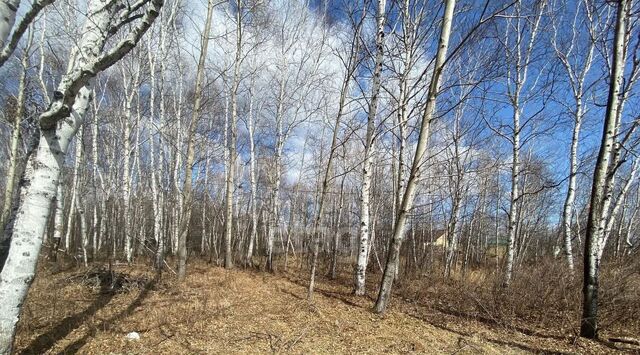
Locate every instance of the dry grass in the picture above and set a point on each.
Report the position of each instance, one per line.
(219, 311)
(541, 307)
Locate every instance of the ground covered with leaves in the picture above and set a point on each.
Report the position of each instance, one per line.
(242, 311)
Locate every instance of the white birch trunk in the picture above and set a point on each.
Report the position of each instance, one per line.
(233, 134)
(159, 217)
(522, 62)
(589, 321)
(74, 191)
(275, 192)
(254, 185)
(187, 189)
(58, 126)
(94, 153)
(15, 137)
(351, 67)
(407, 200)
(611, 216)
(83, 231)
(367, 169)
(576, 75)
(42, 173)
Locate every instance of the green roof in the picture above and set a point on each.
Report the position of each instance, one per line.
(501, 241)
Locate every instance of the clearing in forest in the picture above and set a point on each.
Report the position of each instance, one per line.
(218, 311)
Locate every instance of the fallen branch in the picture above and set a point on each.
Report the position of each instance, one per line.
(630, 341)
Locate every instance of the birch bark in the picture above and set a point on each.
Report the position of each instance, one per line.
(399, 231)
(254, 185)
(576, 73)
(589, 320)
(344, 90)
(369, 152)
(15, 136)
(516, 81)
(233, 136)
(187, 189)
(58, 125)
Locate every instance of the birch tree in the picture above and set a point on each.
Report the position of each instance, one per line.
(15, 134)
(369, 152)
(131, 82)
(253, 233)
(576, 67)
(589, 320)
(351, 66)
(58, 125)
(399, 230)
(230, 163)
(187, 189)
(521, 33)
(9, 39)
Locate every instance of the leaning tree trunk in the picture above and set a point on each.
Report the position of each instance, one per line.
(351, 67)
(399, 231)
(589, 320)
(41, 179)
(58, 125)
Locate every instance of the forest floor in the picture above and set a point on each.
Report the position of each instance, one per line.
(239, 311)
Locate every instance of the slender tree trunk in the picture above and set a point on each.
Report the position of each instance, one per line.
(74, 192)
(83, 231)
(589, 320)
(126, 175)
(519, 78)
(403, 104)
(576, 78)
(393, 257)
(15, 134)
(253, 234)
(351, 67)
(233, 136)
(567, 211)
(187, 189)
(274, 216)
(159, 218)
(336, 233)
(616, 209)
(367, 169)
(98, 196)
(515, 194)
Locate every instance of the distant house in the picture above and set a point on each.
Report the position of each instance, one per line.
(497, 248)
(439, 239)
